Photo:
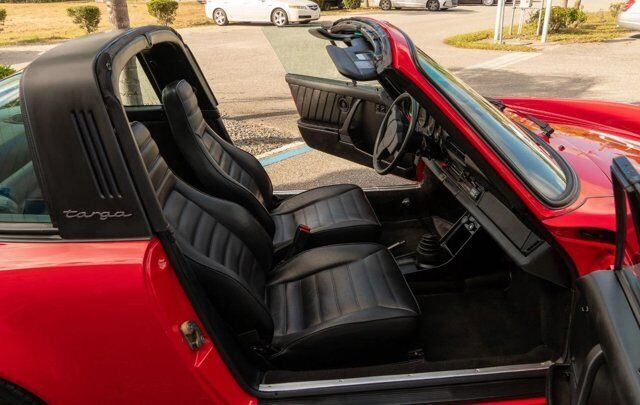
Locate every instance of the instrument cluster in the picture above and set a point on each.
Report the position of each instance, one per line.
(433, 136)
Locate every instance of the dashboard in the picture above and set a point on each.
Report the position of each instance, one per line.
(465, 180)
(435, 143)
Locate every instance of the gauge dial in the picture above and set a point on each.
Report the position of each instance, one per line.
(436, 135)
(422, 118)
(431, 126)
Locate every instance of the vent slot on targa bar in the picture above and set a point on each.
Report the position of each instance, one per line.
(94, 150)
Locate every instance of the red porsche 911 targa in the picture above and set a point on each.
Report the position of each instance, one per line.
(146, 259)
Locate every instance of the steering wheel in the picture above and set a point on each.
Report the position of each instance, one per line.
(394, 134)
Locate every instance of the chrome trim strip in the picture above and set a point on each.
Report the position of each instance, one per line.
(434, 375)
(398, 187)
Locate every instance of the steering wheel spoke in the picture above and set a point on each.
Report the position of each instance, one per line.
(395, 133)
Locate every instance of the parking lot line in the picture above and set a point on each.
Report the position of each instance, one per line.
(505, 60)
(283, 152)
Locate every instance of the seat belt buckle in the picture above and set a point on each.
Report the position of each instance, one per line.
(300, 240)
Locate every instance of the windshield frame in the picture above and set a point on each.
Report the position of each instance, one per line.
(570, 192)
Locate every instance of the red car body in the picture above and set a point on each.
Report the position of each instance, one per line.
(100, 321)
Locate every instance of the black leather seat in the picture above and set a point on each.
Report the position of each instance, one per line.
(335, 214)
(328, 306)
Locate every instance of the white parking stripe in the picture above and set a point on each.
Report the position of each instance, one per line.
(505, 60)
(283, 148)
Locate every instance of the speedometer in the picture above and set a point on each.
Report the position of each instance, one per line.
(431, 126)
(422, 118)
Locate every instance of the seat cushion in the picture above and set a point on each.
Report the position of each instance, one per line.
(336, 214)
(344, 304)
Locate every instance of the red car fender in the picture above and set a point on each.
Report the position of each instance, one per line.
(98, 322)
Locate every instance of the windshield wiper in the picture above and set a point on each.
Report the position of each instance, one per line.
(547, 129)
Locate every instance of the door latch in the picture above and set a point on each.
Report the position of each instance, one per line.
(192, 334)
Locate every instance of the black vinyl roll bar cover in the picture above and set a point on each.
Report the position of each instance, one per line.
(626, 189)
(90, 170)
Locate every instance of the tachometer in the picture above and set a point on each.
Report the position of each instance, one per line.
(422, 118)
(431, 126)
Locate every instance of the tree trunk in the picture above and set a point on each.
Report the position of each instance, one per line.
(118, 13)
(130, 90)
(564, 3)
(577, 4)
(366, 3)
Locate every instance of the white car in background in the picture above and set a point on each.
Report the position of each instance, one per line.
(431, 5)
(278, 12)
(629, 17)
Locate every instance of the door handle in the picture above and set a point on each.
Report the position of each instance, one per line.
(343, 132)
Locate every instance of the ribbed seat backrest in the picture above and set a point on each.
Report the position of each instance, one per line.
(228, 249)
(224, 170)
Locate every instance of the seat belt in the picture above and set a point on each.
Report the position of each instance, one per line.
(300, 241)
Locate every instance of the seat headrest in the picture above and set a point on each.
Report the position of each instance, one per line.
(181, 88)
(184, 113)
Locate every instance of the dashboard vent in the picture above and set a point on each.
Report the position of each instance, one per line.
(94, 150)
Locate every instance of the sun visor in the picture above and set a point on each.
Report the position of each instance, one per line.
(353, 63)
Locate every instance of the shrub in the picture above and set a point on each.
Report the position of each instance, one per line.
(351, 4)
(3, 16)
(5, 71)
(163, 10)
(616, 8)
(87, 17)
(561, 18)
(321, 4)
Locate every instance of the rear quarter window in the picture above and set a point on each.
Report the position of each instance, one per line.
(20, 195)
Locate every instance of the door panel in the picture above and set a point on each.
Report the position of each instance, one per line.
(341, 118)
(254, 10)
(604, 356)
(603, 364)
(233, 8)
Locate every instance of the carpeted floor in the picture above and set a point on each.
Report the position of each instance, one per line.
(477, 324)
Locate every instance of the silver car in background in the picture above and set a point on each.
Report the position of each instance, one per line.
(629, 17)
(431, 5)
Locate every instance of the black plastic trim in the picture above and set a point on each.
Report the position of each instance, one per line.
(617, 329)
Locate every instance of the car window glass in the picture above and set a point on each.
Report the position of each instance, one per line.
(304, 54)
(524, 154)
(20, 196)
(135, 87)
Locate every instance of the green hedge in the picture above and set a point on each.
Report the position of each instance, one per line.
(351, 4)
(616, 8)
(5, 71)
(163, 10)
(562, 18)
(87, 17)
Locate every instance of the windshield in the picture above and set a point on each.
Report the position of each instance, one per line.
(531, 161)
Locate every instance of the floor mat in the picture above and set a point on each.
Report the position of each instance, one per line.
(409, 231)
(477, 324)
